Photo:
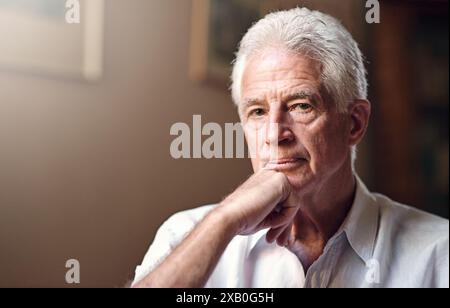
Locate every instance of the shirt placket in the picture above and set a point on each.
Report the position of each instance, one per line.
(319, 273)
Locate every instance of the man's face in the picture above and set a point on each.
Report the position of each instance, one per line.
(289, 125)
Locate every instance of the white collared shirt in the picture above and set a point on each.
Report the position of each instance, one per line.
(380, 244)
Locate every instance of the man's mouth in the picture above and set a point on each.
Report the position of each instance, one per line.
(285, 163)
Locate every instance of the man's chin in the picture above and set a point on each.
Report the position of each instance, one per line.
(300, 183)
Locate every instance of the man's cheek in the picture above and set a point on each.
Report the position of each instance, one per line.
(255, 144)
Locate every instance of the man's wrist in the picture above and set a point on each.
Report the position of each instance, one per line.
(226, 219)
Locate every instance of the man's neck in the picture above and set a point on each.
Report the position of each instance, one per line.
(321, 214)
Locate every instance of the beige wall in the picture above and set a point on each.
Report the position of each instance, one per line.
(85, 170)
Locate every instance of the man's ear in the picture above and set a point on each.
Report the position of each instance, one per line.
(359, 120)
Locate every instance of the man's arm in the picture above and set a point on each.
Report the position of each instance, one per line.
(249, 209)
(193, 261)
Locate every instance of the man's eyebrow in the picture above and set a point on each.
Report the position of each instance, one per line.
(297, 95)
(246, 103)
(302, 95)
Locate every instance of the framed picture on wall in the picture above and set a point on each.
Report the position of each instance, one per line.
(37, 38)
(217, 28)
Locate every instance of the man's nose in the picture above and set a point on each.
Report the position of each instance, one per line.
(277, 129)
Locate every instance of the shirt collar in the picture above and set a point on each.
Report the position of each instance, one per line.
(360, 226)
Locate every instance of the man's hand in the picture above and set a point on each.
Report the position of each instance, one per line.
(263, 201)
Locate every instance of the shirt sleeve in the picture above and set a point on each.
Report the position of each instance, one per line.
(171, 233)
(167, 238)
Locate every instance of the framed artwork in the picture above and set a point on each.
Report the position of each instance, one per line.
(217, 28)
(36, 38)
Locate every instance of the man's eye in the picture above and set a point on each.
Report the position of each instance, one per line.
(257, 112)
(304, 107)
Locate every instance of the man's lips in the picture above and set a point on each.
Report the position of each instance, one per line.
(285, 163)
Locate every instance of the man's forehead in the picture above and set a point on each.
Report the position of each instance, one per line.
(280, 61)
(278, 69)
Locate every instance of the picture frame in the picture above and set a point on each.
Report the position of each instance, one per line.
(214, 39)
(37, 38)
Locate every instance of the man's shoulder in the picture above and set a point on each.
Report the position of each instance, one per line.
(407, 222)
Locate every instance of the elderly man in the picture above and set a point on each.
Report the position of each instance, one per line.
(304, 219)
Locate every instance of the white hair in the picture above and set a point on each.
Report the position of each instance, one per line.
(318, 36)
(313, 34)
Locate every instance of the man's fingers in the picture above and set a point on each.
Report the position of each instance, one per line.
(280, 221)
(283, 239)
(282, 218)
(284, 212)
(282, 215)
(273, 234)
(280, 234)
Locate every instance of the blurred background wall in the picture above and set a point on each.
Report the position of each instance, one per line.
(85, 168)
